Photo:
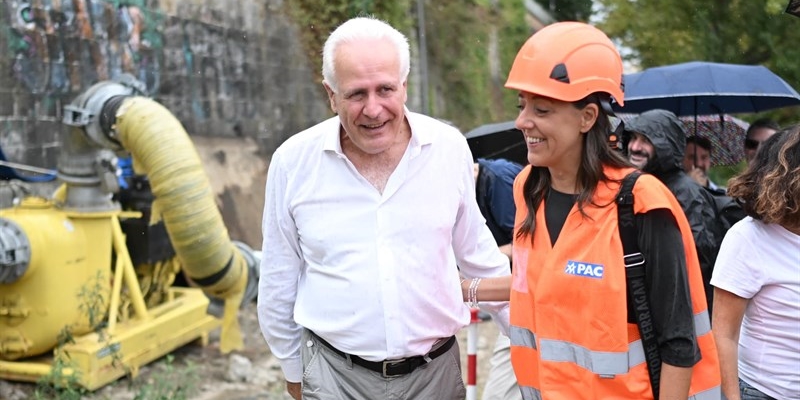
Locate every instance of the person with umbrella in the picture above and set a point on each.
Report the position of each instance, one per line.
(654, 141)
(572, 336)
(697, 161)
(759, 131)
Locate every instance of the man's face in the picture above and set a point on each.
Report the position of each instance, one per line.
(753, 141)
(696, 157)
(370, 94)
(640, 150)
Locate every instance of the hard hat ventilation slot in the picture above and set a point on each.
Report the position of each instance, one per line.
(559, 73)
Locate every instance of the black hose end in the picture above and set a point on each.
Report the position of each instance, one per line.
(108, 116)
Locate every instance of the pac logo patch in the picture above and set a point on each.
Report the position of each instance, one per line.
(584, 269)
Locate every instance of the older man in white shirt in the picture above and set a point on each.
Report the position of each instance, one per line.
(368, 218)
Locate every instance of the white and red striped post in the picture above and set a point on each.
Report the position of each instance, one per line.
(472, 356)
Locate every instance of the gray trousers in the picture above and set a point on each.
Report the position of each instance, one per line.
(328, 376)
(502, 383)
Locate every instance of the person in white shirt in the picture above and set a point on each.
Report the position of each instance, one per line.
(369, 220)
(756, 319)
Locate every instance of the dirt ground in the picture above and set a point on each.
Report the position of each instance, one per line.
(244, 375)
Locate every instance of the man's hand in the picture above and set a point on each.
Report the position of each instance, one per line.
(699, 176)
(295, 390)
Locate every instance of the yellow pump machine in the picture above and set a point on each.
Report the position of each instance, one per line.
(90, 263)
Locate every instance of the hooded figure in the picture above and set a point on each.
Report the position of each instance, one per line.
(665, 132)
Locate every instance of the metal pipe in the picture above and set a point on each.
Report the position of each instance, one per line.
(28, 168)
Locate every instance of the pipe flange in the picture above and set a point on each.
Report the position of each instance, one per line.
(84, 112)
(15, 251)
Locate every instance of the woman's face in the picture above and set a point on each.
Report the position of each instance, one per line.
(553, 130)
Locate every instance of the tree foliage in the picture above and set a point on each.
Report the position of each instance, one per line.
(318, 19)
(661, 32)
(459, 39)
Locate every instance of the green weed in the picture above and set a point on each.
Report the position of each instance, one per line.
(60, 384)
(170, 384)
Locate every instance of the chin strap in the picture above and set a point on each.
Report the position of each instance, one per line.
(605, 103)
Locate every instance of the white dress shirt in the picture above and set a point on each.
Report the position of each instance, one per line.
(375, 275)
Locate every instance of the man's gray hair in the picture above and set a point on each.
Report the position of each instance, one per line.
(363, 28)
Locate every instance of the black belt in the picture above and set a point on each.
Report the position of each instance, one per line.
(390, 368)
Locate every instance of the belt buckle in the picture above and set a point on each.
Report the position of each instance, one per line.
(389, 363)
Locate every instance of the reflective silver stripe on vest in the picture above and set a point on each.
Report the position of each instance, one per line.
(714, 393)
(702, 326)
(530, 393)
(599, 362)
(522, 337)
(702, 323)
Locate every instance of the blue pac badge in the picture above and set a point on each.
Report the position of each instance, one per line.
(584, 269)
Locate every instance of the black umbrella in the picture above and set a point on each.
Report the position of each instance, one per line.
(706, 88)
(498, 140)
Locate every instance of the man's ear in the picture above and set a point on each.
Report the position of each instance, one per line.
(331, 96)
(588, 117)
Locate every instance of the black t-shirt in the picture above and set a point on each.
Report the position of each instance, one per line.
(666, 279)
(558, 208)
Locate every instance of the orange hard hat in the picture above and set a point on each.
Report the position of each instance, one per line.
(568, 61)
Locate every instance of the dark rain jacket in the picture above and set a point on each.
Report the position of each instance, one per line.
(665, 131)
(495, 195)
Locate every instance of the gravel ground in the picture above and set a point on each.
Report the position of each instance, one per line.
(249, 374)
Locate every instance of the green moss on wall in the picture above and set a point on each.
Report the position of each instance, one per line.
(317, 19)
(514, 32)
(457, 35)
(458, 56)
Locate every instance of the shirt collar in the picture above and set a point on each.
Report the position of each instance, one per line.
(419, 135)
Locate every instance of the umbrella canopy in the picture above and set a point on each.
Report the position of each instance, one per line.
(704, 88)
(725, 132)
(498, 140)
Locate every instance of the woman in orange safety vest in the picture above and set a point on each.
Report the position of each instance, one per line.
(573, 335)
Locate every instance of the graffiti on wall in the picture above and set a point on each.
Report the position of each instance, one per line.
(199, 62)
(221, 64)
(63, 46)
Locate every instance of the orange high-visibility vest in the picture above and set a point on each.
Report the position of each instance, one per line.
(570, 338)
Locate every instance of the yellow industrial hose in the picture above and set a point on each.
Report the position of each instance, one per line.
(160, 145)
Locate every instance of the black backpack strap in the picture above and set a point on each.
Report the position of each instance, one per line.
(634, 273)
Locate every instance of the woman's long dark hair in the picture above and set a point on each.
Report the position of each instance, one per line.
(596, 153)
